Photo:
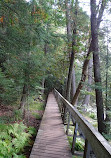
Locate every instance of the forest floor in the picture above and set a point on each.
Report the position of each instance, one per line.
(10, 115)
(33, 122)
(6, 110)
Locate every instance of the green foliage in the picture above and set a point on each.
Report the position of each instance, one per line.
(107, 136)
(92, 115)
(6, 119)
(27, 28)
(35, 104)
(51, 83)
(37, 116)
(31, 130)
(79, 146)
(6, 89)
(13, 139)
(85, 92)
(76, 157)
(17, 115)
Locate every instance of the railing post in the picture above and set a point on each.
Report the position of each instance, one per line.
(87, 149)
(68, 123)
(74, 138)
(62, 111)
(65, 112)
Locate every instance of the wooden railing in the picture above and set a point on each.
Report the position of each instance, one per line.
(94, 141)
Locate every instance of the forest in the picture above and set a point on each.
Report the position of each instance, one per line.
(47, 44)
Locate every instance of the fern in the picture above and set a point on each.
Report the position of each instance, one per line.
(13, 139)
(32, 131)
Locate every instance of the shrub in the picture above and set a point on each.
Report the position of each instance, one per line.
(13, 139)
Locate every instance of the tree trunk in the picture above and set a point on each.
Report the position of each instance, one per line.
(70, 76)
(43, 85)
(87, 97)
(68, 22)
(108, 116)
(85, 65)
(73, 86)
(107, 105)
(71, 67)
(83, 77)
(23, 100)
(69, 38)
(96, 65)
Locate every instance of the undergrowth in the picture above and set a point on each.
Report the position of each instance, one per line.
(16, 139)
(79, 146)
(13, 139)
(36, 105)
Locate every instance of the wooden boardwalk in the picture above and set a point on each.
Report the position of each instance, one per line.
(51, 140)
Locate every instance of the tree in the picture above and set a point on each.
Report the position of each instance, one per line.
(95, 23)
(73, 51)
(90, 68)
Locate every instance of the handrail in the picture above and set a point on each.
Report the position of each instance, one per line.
(98, 143)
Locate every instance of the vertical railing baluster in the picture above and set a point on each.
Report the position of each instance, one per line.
(68, 123)
(74, 138)
(87, 149)
(65, 112)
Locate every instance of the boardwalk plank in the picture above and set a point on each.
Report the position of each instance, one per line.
(51, 141)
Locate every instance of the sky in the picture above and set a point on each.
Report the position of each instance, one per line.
(27, 0)
(85, 5)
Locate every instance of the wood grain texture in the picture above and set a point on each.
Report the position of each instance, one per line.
(100, 146)
(51, 141)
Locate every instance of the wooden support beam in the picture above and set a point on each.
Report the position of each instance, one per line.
(98, 143)
(65, 113)
(74, 138)
(69, 118)
(87, 149)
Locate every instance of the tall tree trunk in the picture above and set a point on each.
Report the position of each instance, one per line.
(96, 65)
(87, 97)
(85, 64)
(71, 67)
(108, 115)
(69, 38)
(107, 105)
(68, 22)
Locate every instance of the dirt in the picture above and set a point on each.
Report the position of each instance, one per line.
(30, 120)
(34, 123)
(6, 110)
